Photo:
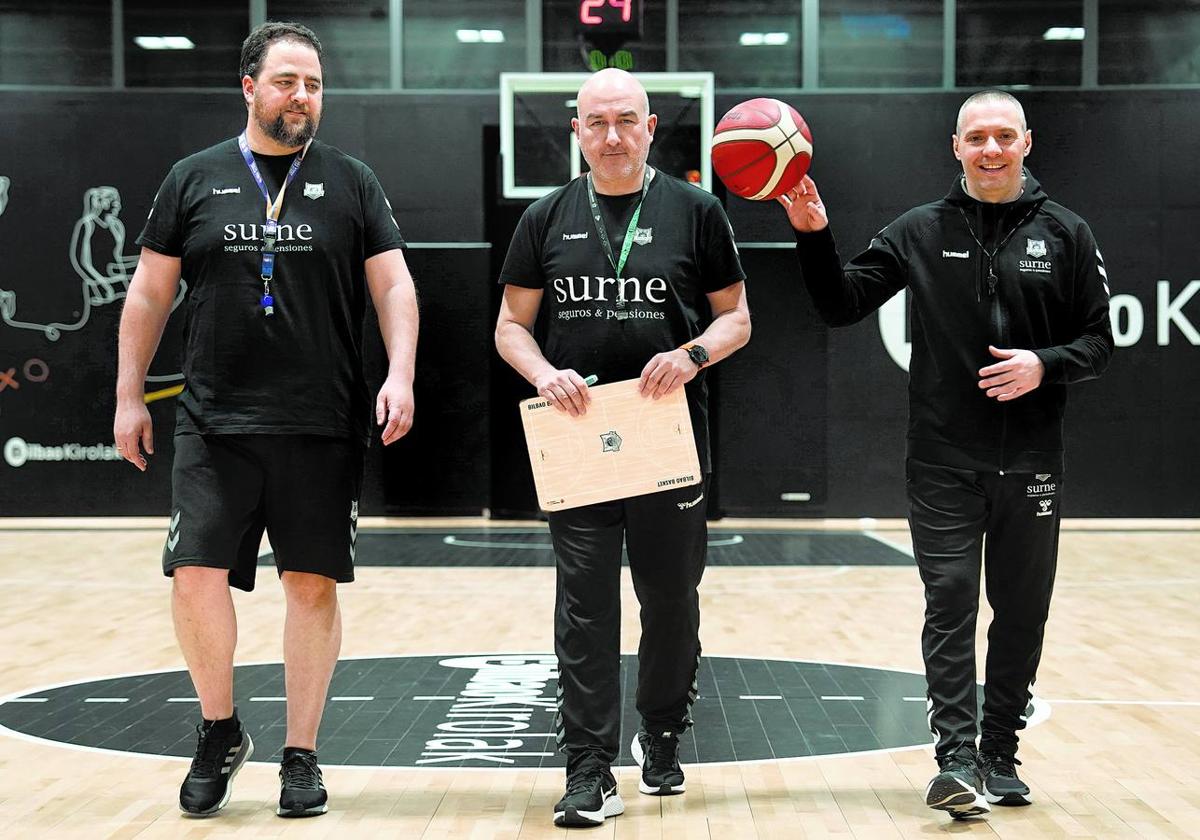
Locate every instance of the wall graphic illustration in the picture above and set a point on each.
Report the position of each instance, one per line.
(97, 254)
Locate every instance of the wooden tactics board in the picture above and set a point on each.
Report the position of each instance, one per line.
(625, 445)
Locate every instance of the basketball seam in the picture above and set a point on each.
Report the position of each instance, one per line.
(771, 151)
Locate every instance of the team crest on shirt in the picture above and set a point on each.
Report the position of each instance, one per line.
(1035, 248)
(314, 191)
(643, 236)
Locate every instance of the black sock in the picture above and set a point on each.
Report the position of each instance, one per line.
(229, 724)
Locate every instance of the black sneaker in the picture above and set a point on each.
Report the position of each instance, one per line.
(1000, 783)
(957, 787)
(222, 748)
(301, 793)
(591, 797)
(658, 756)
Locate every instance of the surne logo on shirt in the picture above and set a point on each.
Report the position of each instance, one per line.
(246, 237)
(253, 232)
(631, 289)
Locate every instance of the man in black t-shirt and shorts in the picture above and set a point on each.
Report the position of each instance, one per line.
(637, 275)
(280, 238)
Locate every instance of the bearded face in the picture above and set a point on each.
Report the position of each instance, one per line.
(285, 99)
(289, 124)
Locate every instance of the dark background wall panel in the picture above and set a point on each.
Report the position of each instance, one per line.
(428, 152)
(443, 465)
(770, 432)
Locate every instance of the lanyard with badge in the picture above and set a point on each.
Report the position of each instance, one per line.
(622, 311)
(271, 225)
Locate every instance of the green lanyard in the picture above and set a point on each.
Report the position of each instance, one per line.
(618, 265)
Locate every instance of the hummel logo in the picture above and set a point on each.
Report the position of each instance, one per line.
(227, 191)
(691, 504)
(1042, 476)
(569, 236)
(173, 535)
(958, 255)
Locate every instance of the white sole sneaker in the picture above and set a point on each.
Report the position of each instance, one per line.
(242, 756)
(1008, 799)
(956, 797)
(639, 758)
(612, 807)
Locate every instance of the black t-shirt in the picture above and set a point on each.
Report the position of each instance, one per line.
(683, 250)
(298, 371)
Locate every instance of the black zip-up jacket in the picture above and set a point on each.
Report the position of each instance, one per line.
(1044, 290)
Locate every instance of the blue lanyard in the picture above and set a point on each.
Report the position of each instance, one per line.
(271, 225)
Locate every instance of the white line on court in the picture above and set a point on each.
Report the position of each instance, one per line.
(351, 697)
(760, 696)
(450, 539)
(841, 697)
(106, 700)
(913, 699)
(29, 700)
(434, 697)
(268, 699)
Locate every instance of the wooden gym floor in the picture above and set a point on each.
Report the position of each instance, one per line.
(1119, 755)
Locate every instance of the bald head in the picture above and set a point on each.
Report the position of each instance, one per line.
(610, 85)
(990, 97)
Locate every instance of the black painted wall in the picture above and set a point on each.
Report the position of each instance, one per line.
(800, 410)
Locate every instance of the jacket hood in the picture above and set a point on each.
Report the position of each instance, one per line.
(1033, 194)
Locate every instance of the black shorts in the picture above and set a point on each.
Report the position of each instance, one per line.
(301, 489)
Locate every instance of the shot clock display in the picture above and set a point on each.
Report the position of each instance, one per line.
(610, 21)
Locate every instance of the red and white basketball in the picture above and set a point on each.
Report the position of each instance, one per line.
(761, 148)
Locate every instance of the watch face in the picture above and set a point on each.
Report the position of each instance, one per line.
(698, 354)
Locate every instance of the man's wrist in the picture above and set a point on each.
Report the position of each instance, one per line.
(697, 353)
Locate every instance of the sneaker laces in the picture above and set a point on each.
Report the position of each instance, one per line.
(581, 782)
(963, 758)
(999, 765)
(661, 753)
(208, 753)
(300, 771)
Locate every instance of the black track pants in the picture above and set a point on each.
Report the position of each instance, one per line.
(1010, 521)
(666, 536)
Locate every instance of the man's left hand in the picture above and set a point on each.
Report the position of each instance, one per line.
(1018, 373)
(666, 372)
(394, 409)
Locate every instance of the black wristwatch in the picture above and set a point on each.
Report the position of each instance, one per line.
(696, 353)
